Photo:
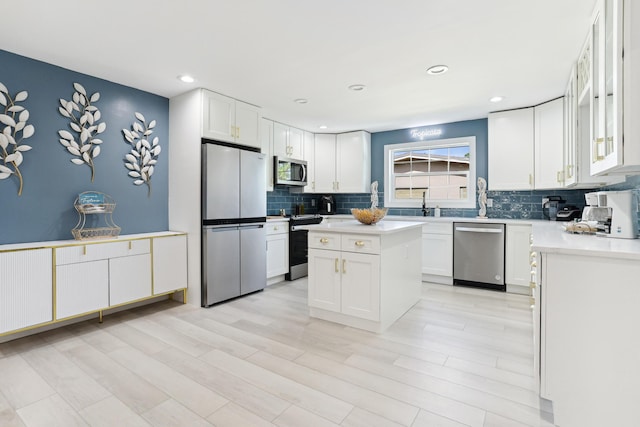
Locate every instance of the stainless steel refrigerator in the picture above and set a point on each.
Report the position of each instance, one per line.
(234, 206)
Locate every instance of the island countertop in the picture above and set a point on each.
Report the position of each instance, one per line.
(353, 226)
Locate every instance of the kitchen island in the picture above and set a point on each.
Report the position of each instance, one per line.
(364, 276)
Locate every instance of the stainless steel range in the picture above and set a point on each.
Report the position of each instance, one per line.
(298, 245)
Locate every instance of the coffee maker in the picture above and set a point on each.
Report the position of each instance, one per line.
(616, 213)
(326, 205)
(622, 207)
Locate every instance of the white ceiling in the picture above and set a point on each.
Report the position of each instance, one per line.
(269, 53)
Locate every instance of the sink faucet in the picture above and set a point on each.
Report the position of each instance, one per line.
(425, 210)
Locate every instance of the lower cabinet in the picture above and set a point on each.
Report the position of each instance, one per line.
(129, 279)
(277, 248)
(81, 288)
(437, 252)
(25, 289)
(516, 258)
(344, 282)
(169, 263)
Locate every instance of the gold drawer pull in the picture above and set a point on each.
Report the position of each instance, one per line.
(84, 249)
(532, 301)
(344, 266)
(324, 240)
(534, 264)
(130, 245)
(532, 285)
(359, 243)
(336, 266)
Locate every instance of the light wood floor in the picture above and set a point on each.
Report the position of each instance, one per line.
(460, 357)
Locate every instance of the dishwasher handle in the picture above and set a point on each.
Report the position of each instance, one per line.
(479, 230)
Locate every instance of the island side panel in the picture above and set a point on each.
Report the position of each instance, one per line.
(400, 275)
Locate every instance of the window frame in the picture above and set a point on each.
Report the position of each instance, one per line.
(389, 183)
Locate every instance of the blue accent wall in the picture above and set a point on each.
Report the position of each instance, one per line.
(51, 182)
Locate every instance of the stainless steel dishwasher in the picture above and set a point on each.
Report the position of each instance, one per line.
(478, 255)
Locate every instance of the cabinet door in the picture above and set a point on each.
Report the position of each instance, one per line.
(281, 140)
(324, 279)
(325, 163)
(296, 143)
(437, 254)
(309, 153)
(277, 254)
(25, 289)
(569, 171)
(517, 267)
(353, 162)
(81, 288)
(218, 116)
(169, 263)
(361, 285)
(549, 136)
(247, 124)
(129, 279)
(266, 130)
(511, 150)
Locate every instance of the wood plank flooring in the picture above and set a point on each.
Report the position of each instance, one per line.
(459, 357)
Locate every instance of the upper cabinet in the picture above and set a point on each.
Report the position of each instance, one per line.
(266, 130)
(229, 120)
(309, 144)
(287, 141)
(615, 56)
(343, 163)
(548, 144)
(511, 150)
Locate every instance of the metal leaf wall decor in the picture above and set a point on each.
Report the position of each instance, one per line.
(14, 119)
(85, 125)
(143, 156)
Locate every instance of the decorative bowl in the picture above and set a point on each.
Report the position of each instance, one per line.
(369, 216)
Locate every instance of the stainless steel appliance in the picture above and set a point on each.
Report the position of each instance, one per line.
(298, 245)
(289, 172)
(550, 207)
(234, 206)
(326, 205)
(478, 255)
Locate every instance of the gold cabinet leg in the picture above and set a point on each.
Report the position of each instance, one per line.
(100, 317)
(184, 296)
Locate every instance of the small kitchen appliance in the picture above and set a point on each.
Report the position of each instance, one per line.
(593, 212)
(623, 206)
(326, 205)
(569, 213)
(550, 207)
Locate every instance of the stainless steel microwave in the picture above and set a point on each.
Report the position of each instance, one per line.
(290, 172)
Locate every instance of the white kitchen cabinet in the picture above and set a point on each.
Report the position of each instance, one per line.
(227, 119)
(363, 280)
(353, 162)
(570, 139)
(589, 353)
(169, 263)
(287, 141)
(343, 163)
(266, 132)
(510, 150)
(277, 248)
(309, 144)
(516, 258)
(437, 252)
(81, 288)
(26, 289)
(615, 58)
(549, 144)
(325, 163)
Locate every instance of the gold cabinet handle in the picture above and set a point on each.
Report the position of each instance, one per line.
(569, 171)
(530, 179)
(533, 254)
(237, 132)
(532, 285)
(532, 301)
(344, 266)
(84, 250)
(130, 245)
(559, 176)
(359, 243)
(336, 266)
(324, 240)
(275, 228)
(534, 264)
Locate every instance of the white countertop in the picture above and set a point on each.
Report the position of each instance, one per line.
(446, 219)
(72, 242)
(353, 226)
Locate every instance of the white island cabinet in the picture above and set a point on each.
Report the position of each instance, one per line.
(364, 276)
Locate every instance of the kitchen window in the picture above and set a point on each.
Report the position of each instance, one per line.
(442, 171)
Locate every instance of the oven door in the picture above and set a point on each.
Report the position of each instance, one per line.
(298, 253)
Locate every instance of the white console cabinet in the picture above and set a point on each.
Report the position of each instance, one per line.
(46, 282)
(25, 289)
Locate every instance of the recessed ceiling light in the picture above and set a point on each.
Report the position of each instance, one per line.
(357, 88)
(185, 78)
(300, 101)
(496, 99)
(322, 126)
(437, 69)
